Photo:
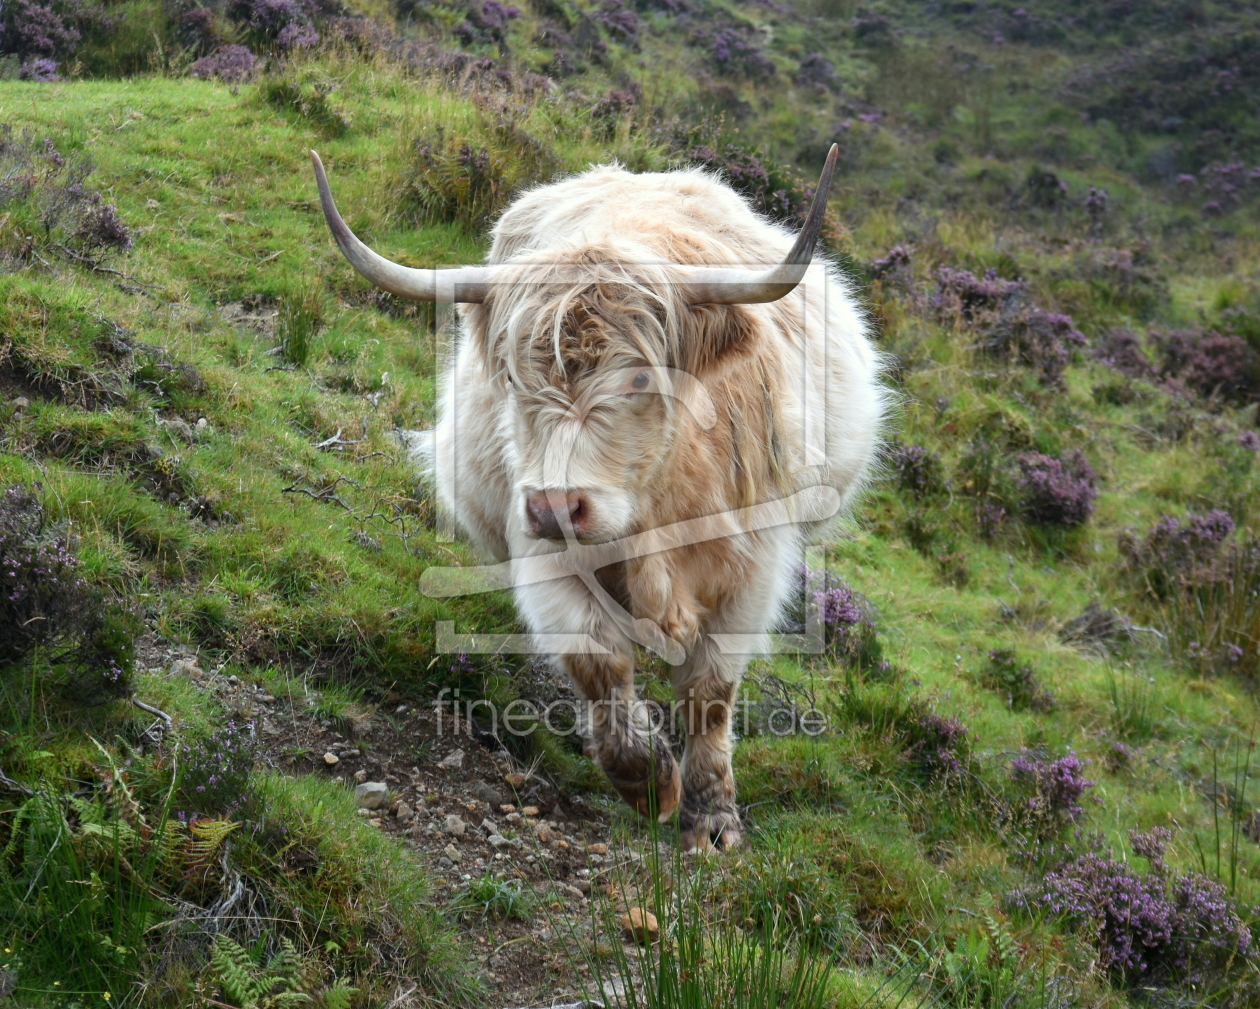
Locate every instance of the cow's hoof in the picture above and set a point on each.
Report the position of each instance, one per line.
(658, 796)
(714, 830)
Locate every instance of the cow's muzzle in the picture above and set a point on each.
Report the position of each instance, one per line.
(558, 514)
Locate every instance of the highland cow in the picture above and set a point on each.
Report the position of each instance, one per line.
(620, 393)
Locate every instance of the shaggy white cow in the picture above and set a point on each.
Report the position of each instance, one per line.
(623, 395)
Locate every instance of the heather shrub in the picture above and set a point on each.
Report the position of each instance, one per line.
(1008, 326)
(214, 778)
(894, 265)
(1016, 681)
(850, 635)
(1121, 349)
(1204, 588)
(1048, 794)
(620, 20)
(1156, 927)
(1177, 553)
(1057, 492)
(46, 604)
(38, 33)
(779, 191)
(50, 207)
(231, 64)
(963, 298)
(486, 23)
(916, 469)
(817, 72)
(1043, 341)
(1210, 364)
(733, 50)
(936, 746)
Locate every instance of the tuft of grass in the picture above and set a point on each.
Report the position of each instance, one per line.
(1133, 704)
(489, 896)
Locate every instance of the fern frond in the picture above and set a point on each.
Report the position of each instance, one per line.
(1003, 942)
(339, 996)
(236, 973)
(206, 837)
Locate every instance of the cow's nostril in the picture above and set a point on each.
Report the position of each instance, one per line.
(552, 514)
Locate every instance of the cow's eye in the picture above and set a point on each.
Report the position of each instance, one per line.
(640, 381)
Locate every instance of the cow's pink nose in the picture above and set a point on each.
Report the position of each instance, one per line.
(553, 513)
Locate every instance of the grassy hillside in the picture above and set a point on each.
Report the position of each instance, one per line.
(1018, 776)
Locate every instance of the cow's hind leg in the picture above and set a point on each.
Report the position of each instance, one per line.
(705, 687)
(637, 761)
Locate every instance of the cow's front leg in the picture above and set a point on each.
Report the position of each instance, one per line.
(637, 760)
(705, 687)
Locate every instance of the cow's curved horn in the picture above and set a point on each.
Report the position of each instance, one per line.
(465, 283)
(719, 286)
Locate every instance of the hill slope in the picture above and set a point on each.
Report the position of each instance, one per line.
(1057, 566)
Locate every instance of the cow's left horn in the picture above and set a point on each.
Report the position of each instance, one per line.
(465, 283)
(719, 286)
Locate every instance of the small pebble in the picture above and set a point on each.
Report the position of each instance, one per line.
(331, 758)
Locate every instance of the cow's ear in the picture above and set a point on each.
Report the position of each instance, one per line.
(714, 336)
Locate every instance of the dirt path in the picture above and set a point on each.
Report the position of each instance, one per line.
(462, 804)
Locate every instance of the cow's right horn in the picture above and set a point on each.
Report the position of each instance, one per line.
(733, 286)
(465, 283)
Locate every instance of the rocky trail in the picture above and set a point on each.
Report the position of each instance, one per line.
(468, 811)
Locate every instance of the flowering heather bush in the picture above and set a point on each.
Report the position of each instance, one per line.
(1018, 682)
(937, 745)
(1177, 553)
(1041, 340)
(230, 64)
(42, 597)
(1050, 791)
(818, 72)
(615, 105)
(1057, 492)
(33, 30)
(47, 193)
(1156, 927)
(1250, 441)
(962, 297)
(287, 23)
(216, 770)
(732, 52)
(41, 70)
(620, 20)
(44, 603)
(997, 309)
(1121, 349)
(896, 261)
(1209, 363)
(1096, 209)
(849, 631)
(778, 191)
(297, 36)
(917, 469)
